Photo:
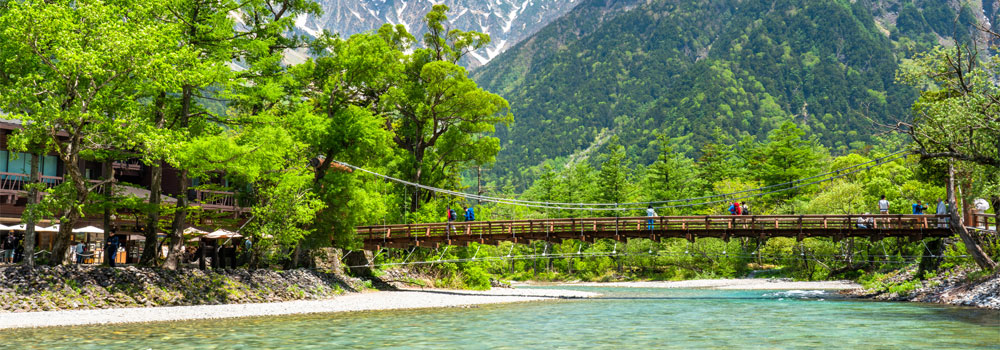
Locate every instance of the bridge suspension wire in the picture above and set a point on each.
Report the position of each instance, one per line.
(799, 183)
(886, 259)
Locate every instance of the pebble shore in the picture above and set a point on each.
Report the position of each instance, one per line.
(383, 300)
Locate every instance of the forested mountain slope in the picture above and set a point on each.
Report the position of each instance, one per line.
(699, 70)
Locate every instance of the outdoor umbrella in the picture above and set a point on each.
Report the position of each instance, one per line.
(88, 229)
(22, 227)
(221, 233)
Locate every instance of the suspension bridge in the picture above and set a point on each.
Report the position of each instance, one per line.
(725, 227)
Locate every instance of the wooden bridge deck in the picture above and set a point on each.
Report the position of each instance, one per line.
(689, 227)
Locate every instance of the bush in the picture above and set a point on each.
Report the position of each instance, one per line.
(476, 278)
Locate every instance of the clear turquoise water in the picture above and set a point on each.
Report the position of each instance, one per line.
(626, 318)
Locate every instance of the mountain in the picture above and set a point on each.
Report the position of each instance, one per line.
(698, 71)
(506, 21)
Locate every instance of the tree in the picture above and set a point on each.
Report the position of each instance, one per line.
(672, 176)
(615, 179)
(343, 89)
(441, 116)
(257, 95)
(74, 81)
(957, 118)
(786, 156)
(203, 31)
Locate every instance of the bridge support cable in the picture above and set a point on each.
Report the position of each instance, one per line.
(908, 259)
(795, 184)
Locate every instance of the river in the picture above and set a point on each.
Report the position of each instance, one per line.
(624, 318)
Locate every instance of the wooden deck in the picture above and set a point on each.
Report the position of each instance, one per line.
(837, 227)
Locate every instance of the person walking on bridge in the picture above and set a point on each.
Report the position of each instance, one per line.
(451, 218)
(883, 205)
(918, 208)
(942, 209)
(470, 215)
(650, 213)
(883, 208)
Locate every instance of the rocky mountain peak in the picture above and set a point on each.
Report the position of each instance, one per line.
(506, 21)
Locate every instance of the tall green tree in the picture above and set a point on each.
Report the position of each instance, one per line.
(672, 176)
(343, 89)
(615, 177)
(259, 94)
(957, 118)
(441, 118)
(78, 65)
(786, 156)
(204, 28)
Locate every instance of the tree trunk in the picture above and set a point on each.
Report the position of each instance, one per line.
(415, 201)
(29, 229)
(69, 216)
(152, 249)
(108, 192)
(175, 251)
(958, 226)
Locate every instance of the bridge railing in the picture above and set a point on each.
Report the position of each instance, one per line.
(985, 221)
(711, 223)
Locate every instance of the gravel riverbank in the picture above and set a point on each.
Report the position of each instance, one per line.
(74, 287)
(952, 287)
(382, 300)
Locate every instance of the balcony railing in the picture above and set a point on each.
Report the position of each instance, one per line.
(219, 200)
(13, 183)
(131, 164)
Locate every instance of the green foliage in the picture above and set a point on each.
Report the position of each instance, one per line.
(441, 118)
(684, 69)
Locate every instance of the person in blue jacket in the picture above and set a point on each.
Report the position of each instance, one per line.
(470, 215)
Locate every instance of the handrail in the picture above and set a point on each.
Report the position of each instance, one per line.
(16, 182)
(216, 199)
(783, 217)
(984, 220)
(709, 223)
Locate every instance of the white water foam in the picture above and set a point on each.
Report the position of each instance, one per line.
(798, 294)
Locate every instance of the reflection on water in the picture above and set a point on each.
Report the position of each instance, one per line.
(627, 318)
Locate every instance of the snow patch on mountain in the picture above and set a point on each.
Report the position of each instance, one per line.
(506, 21)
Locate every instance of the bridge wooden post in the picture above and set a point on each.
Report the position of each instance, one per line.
(801, 235)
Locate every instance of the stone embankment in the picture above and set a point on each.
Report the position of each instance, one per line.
(953, 287)
(75, 287)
